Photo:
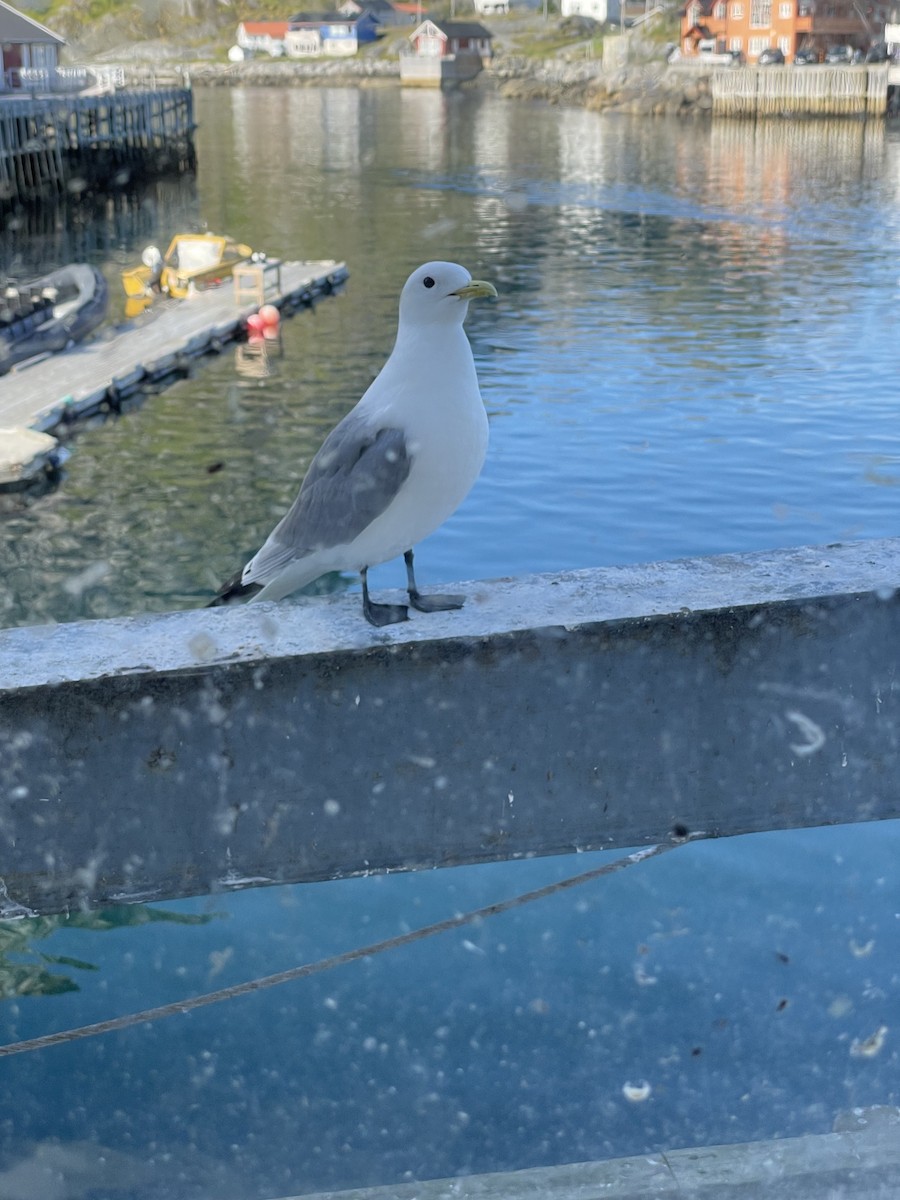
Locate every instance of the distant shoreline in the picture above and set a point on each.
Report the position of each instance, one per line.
(647, 89)
(650, 88)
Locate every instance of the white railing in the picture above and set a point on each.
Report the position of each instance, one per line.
(649, 15)
(64, 79)
(107, 78)
(52, 79)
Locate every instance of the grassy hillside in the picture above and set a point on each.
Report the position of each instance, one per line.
(204, 29)
(91, 25)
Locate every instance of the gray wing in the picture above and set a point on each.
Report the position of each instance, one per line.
(357, 472)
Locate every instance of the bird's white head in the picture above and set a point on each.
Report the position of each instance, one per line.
(439, 293)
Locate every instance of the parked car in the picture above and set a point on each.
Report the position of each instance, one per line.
(877, 53)
(770, 57)
(720, 58)
(840, 55)
(805, 58)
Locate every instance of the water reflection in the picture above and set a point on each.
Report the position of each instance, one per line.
(255, 358)
(26, 971)
(423, 130)
(102, 229)
(678, 322)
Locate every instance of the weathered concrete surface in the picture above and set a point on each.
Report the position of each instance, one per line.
(858, 1164)
(177, 754)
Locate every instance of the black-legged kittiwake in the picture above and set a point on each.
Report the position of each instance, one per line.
(396, 466)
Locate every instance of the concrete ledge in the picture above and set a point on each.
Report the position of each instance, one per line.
(862, 1164)
(177, 754)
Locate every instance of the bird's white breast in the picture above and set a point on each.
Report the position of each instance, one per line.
(434, 397)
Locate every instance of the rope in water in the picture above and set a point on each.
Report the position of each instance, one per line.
(337, 960)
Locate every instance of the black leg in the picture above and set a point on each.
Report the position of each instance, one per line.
(380, 614)
(438, 603)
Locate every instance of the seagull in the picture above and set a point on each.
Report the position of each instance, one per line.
(396, 467)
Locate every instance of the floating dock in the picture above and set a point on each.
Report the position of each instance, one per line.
(95, 376)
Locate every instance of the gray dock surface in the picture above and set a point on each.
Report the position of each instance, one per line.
(79, 382)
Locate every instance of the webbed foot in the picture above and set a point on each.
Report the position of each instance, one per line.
(442, 602)
(437, 603)
(381, 614)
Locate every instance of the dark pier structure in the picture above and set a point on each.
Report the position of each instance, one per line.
(63, 146)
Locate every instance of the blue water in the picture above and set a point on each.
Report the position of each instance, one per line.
(503, 1046)
(694, 351)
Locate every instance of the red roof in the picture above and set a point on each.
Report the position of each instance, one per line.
(275, 29)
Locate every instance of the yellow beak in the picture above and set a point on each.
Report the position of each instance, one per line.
(475, 289)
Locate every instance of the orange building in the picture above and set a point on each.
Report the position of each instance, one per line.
(750, 26)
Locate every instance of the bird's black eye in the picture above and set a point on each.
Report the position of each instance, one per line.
(428, 281)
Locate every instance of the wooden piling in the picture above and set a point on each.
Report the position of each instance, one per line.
(789, 91)
(52, 145)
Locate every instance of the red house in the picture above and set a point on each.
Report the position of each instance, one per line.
(436, 39)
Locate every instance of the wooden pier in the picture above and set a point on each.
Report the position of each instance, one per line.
(95, 376)
(57, 145)
(789, 91)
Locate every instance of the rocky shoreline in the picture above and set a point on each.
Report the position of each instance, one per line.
(645, 89)
(296, 73)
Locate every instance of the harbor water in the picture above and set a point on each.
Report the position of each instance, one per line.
(693, 351)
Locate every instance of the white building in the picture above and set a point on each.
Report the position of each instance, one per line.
(597, 10)
(262, 37)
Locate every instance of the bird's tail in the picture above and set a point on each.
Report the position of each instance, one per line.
(233, 591)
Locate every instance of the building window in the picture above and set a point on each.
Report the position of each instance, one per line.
(757, 45)
(736, 43)
(786, 11)
(761, 13)
(737, 12)
(719, 11)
